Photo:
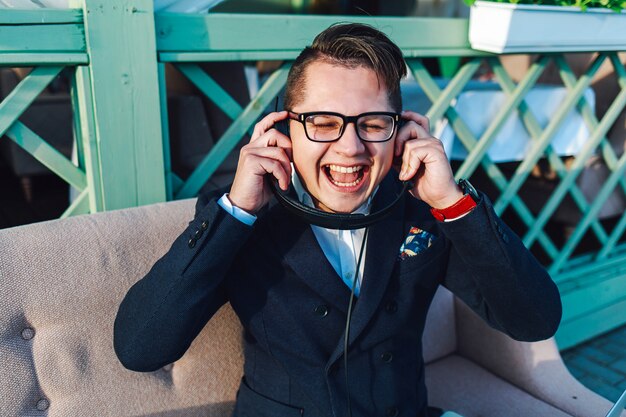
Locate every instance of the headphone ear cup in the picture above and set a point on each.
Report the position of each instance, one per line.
(282, 127)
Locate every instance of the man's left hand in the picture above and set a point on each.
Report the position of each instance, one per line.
(421, 158)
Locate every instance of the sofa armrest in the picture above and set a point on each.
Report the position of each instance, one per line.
(537, 368)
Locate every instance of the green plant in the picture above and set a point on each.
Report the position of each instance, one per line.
(616, 5)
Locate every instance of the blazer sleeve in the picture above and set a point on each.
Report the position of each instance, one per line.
(163, 312)
(492, 271)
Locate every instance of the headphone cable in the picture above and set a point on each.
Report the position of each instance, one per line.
(349, 318)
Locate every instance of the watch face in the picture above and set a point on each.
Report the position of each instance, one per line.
(468, 188)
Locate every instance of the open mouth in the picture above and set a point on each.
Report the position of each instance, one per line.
(345, 176)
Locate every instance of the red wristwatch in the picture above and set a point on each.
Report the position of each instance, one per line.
(461, 207)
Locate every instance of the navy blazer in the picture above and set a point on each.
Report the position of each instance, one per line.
(293, 305)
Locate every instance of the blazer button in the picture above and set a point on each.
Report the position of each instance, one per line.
(321, 310)
(198, 234)
(392, 412)
(43, 404)
(391, 307)
(204, 225)
(192, 243)
(387, 357)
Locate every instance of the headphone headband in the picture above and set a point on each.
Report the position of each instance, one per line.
(334, 220)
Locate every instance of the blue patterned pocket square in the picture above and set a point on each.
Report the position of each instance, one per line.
(417, 241)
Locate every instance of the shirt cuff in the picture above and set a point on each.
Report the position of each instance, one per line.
(457, 218)
(239, 214)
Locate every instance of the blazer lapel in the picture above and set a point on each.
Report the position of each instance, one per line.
(382, 250)
(301, 251)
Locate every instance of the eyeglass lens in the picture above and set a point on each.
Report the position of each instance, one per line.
(372, 128)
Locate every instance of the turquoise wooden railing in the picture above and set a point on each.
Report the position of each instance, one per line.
(118, 51)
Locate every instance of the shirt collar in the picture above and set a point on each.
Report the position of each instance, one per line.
(305, 197)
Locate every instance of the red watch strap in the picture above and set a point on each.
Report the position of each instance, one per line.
(461, 207)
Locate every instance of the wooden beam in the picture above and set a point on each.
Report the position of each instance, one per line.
(177, 32)
(55, 38)
(40, 16)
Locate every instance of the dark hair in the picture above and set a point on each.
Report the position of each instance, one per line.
(350, 45)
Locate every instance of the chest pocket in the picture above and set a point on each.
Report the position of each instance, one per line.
(427, 266)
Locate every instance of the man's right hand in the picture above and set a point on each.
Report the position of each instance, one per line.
(268, 152)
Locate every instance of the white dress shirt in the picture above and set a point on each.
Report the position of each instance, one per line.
(341, 247)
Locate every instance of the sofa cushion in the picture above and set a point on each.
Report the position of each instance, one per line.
(456, 384)
(61, 283)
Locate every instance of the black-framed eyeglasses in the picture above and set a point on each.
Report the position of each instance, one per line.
(326, 126)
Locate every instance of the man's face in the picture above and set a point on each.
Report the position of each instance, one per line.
(341, 175)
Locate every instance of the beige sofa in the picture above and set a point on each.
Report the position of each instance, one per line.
(61, 283)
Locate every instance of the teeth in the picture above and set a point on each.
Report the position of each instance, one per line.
(345, 184)
(345, 170)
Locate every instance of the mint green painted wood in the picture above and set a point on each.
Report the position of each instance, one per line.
(577, 167)
(593, 211)
(449, 65)
(600, 321)
(600, 292)
(256, 6)
(82, 102)
(592, 122)
(612, 241)
(480, 150)
(124, 88)
(234, 133)
(207, 85)
(611, 162)
(290, 55)
(246, 32)
(24, 94)
(78, 155)
(40, 16)
(165, 129)
(78, 206)
(606, 149)
(469, 141)
(227, 56)
(47, 155)
(582, 269)
(28, 59)
(212, 90)
(177, 183)
(539, 146)
(450, 92)
(42, 38)
(533, 127)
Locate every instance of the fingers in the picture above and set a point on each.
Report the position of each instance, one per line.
(277, 170)
(267, 123)
(417, 118)
(278, 140)
(411, 162)
(417, 126)
(420, 152)
(256, 161)
(268, 152)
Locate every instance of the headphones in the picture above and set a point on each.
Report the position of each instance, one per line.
(334, 220)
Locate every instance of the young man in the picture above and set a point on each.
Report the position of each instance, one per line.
(290, 283)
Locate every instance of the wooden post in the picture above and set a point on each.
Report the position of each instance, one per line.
(121, 44)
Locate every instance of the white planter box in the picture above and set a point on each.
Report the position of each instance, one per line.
(504, 27)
